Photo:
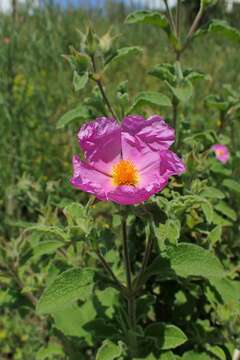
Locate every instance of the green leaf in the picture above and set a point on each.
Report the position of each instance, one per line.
(46, 247)
(207, 210)
(53, 230)
(186, 260)
(108, 351)
(165, 72)
(192, 355)
(222, 28)
(46, 353)
(227, 289)
(81, 112)
(224, 209)
(220, 169)
(232, 185)
(215, 235)
(183, 91)
(123, 53)
(206, 3)
(66, 288)
(217, 351)
(167, 355)
(166, 336)
(173, 228)
(149, 18)
(80, 81)
(150, 98)
(192, 75)
(212, 193)
(216, 102)
(71, 320)
(148, 357)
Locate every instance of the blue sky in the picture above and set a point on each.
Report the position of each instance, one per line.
(92, 3)
(5, 5)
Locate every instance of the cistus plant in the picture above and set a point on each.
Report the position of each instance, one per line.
(140, 260)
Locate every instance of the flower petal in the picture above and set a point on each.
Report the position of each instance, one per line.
(170, 164)
(154, 131)
(88, 179)
(101, 142)
(130, 195)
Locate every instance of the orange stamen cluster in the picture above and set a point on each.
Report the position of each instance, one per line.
(125, 173)
(220, 152)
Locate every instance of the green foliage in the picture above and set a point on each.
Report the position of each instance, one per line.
(166, 336)
(186, 260)
(67, 287)
(58, 299)
(80, 113)
(150, 18)
(149, 98)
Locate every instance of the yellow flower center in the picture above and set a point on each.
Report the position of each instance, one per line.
(125, 173)
(220, 152)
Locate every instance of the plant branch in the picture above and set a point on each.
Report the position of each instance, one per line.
(101, 88)
(109, 270)
(195, 24)
(145, 261)
(178, 18)
(20, 284)
(131, 298)
(170, 17)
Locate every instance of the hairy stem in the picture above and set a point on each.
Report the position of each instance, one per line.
(170, 17)
(109, 270)
(130, 293)
(101, 88)
(195, 24)
(178, 17)
(145, 261)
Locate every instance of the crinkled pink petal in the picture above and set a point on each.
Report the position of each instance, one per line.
(137, 151)
(170, 164)
(88, 179)
(222, 152)
(101, 142)
(154, 131)
(130, 195)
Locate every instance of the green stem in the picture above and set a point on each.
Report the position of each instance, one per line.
(109, 270)
(178, 17)
(130, 293)
(170, 17)
(101, 88)
(145, 262)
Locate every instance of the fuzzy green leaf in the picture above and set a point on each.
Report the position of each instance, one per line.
(66, 288)
(80, 81)
(81, 112)
(108, 351)
(222, 28)
(123, 53)
(232, 185)
(46, 247)
(186, 260)
(149, 18)
(166, 336)
(150, 98)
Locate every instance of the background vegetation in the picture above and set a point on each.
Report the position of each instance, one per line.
(35, 90)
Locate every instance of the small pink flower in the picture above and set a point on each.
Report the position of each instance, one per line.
(6, 40)
(125, 163)
(222, 152)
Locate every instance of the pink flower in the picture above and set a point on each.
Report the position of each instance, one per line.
(125, 163)
(222, 152)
